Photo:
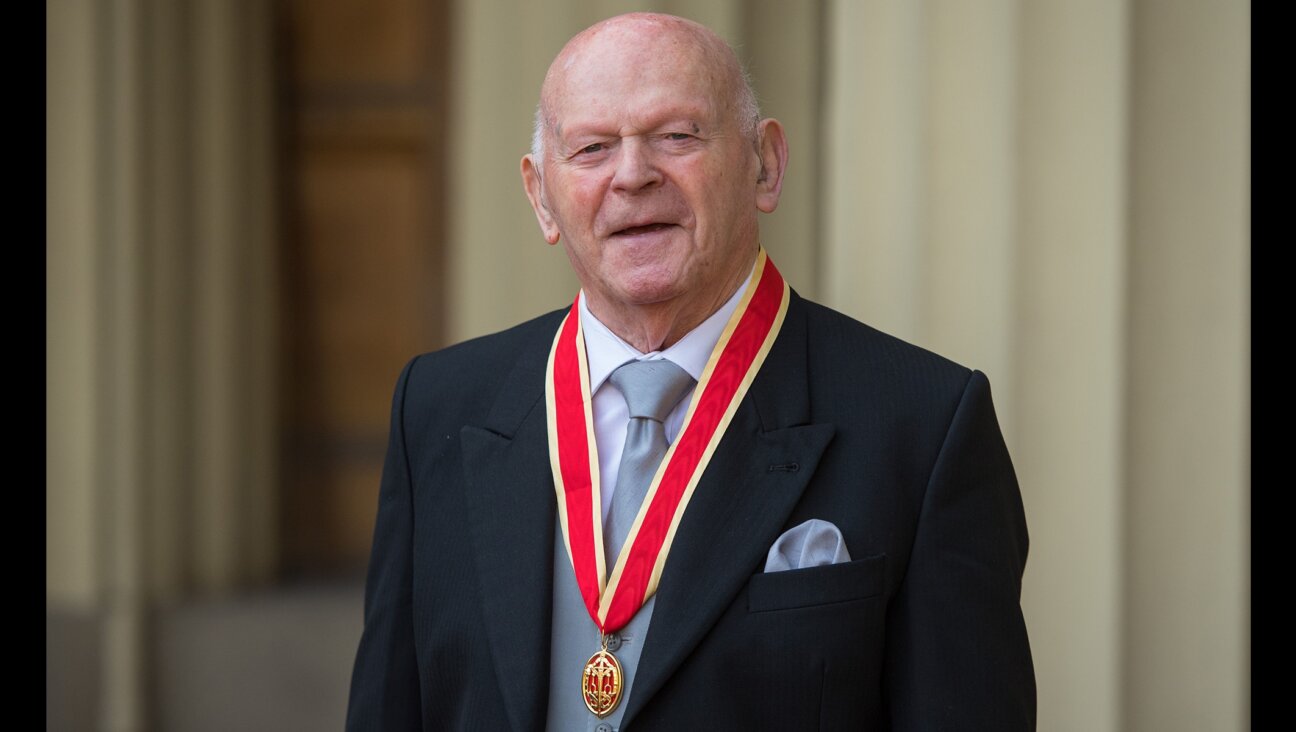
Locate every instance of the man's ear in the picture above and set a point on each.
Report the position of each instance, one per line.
(535, 193)
(773, 151)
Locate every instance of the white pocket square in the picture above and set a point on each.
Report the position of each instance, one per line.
(811, 544)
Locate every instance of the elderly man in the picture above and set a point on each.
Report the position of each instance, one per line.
(692, 499)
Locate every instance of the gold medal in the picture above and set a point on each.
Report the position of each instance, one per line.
(602, 682)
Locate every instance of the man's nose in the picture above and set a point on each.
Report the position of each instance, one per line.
(636, 168)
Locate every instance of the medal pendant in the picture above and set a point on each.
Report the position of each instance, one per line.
(601, 683)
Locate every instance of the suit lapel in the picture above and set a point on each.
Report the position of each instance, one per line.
(510, 499)
(758, 473)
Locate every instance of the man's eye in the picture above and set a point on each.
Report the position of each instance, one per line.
(678, 136)
(592, 148)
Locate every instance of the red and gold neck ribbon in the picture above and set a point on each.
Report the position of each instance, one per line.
(613, 599)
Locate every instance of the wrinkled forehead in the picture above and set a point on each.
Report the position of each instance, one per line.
(640, 54)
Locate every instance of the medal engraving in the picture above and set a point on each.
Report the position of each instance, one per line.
(601, 683)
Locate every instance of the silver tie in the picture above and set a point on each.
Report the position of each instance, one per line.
(651, 390)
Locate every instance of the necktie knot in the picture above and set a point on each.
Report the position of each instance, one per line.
(651, 388)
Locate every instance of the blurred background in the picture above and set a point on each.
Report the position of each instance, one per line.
(258, 210)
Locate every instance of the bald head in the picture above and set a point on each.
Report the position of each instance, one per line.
(637, 37)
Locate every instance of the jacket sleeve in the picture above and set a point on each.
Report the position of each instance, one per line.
(385, 679)
(957, 653)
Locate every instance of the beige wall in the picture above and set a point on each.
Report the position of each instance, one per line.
(161, 345)
(1187, 472)
(1069, 307)
(71, 260)
(1056, 193)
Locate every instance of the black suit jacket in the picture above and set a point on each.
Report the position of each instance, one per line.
(898, 447)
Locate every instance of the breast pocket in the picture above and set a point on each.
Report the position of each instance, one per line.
(855, 580)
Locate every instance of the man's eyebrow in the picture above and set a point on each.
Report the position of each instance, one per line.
(582, 129)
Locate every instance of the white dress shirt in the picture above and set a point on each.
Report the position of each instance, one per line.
(605, 351)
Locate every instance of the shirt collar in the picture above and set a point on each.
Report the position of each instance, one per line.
(605, 350)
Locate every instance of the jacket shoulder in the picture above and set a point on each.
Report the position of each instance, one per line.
(495, 347)
(840, 337)
(859, 374)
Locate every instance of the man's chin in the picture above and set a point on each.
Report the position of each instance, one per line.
(648, 295)
(641, 292)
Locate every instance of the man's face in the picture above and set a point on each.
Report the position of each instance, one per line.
(647, 177)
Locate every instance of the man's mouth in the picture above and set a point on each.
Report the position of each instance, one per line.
(645, 229)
